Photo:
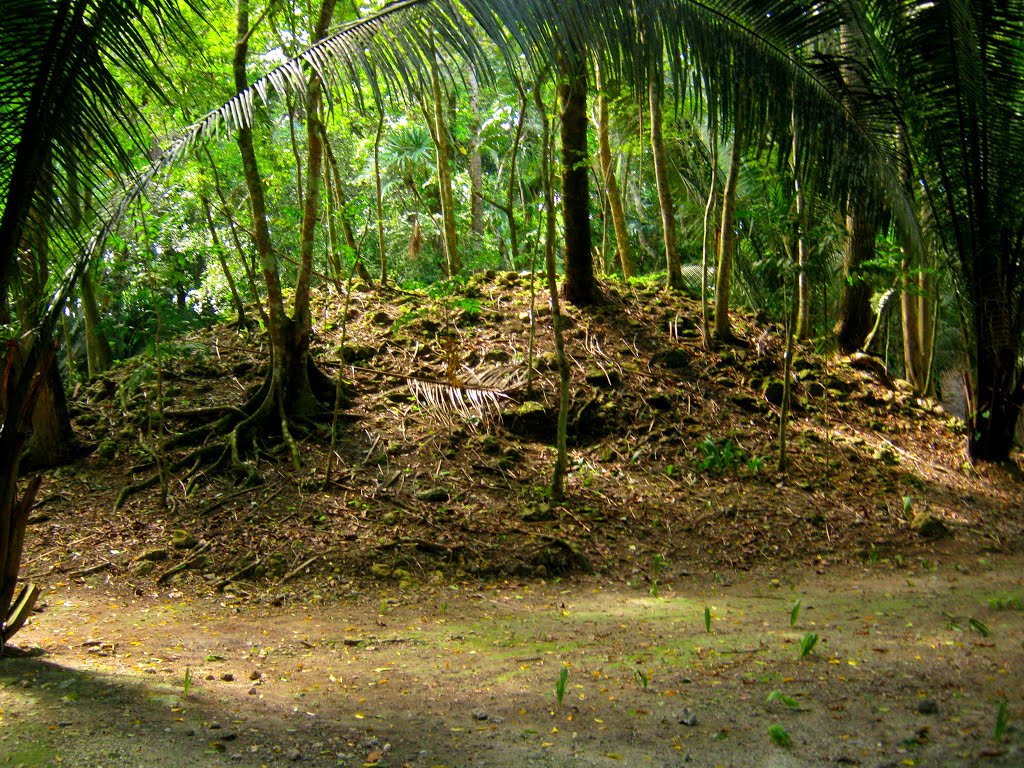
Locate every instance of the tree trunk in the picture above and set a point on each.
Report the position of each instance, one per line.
(996, 392)
(802, 324)
(97, 348)
(625, 252)
(449, 233)
(289, 389)
(580, 287)
(219, 250)
(513, 181)
(561, 434)
(673, 272)
(379, 200)
(476, 173)
(855, 315)
(727, 238)
(24, 368)
(918, 325)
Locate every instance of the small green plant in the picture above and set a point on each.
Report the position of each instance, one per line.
(908, 503)
(641, 677)
(718, 458)
(779, 736)
(444, 609)
(755, 464)
(779, 696)
(186, 682)
(1012, 603)
(707, 619)
(1002, 719)
(658, 564)
(794, 615)
(560, 683)
(807, 643)
(980, 627)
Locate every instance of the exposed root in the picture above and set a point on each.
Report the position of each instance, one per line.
(231, 440)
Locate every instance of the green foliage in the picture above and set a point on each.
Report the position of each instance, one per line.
(717, 458)
(1010, 603)
(707, 619)
(658, 564)
(780, 697)
(807, 643)
(560, 684)
(979, 626)
(1002, 720)
(641, 677)
(186, 683)
(779, 736)
(794, 614)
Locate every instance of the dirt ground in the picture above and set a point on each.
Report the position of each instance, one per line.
(413, 597)
(910, 667)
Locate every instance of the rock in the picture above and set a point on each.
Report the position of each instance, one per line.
(600, 377)
(255, 675)
(537, 513)
(227, 677)
(687, 717)
(773, 391)
(478, 715)
(497, 356)
(145, 568)
(532, 420)
(356, 353)
(928, 706)
(151, 555)
(294, 755)
(181, 539)
(440, 493)
(673, 359)
(928, 526)
(659, 401)
(886, 455)
(382, 570)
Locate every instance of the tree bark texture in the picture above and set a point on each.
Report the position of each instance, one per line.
(476, 172)
(727, 238)
(580, 287)
(855, 316)
(622, 246)
(449, 232)
(673, 272)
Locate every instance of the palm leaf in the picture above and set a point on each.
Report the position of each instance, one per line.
(476, 400)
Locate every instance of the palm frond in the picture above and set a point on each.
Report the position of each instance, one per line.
(474, 402)
(63, 106)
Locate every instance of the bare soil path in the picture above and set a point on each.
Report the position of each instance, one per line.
(910, 667)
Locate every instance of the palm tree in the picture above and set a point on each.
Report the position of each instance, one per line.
(64, 120)
(961, 104)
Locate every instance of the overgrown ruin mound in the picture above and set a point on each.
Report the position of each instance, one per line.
(442, 459)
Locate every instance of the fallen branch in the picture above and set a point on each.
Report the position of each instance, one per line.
(90, 570)
(296, 571)
(184, 565)
(223, 583)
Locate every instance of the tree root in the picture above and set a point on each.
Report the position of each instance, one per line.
(226, 442)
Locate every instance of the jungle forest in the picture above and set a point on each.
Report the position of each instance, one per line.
(511, 382)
